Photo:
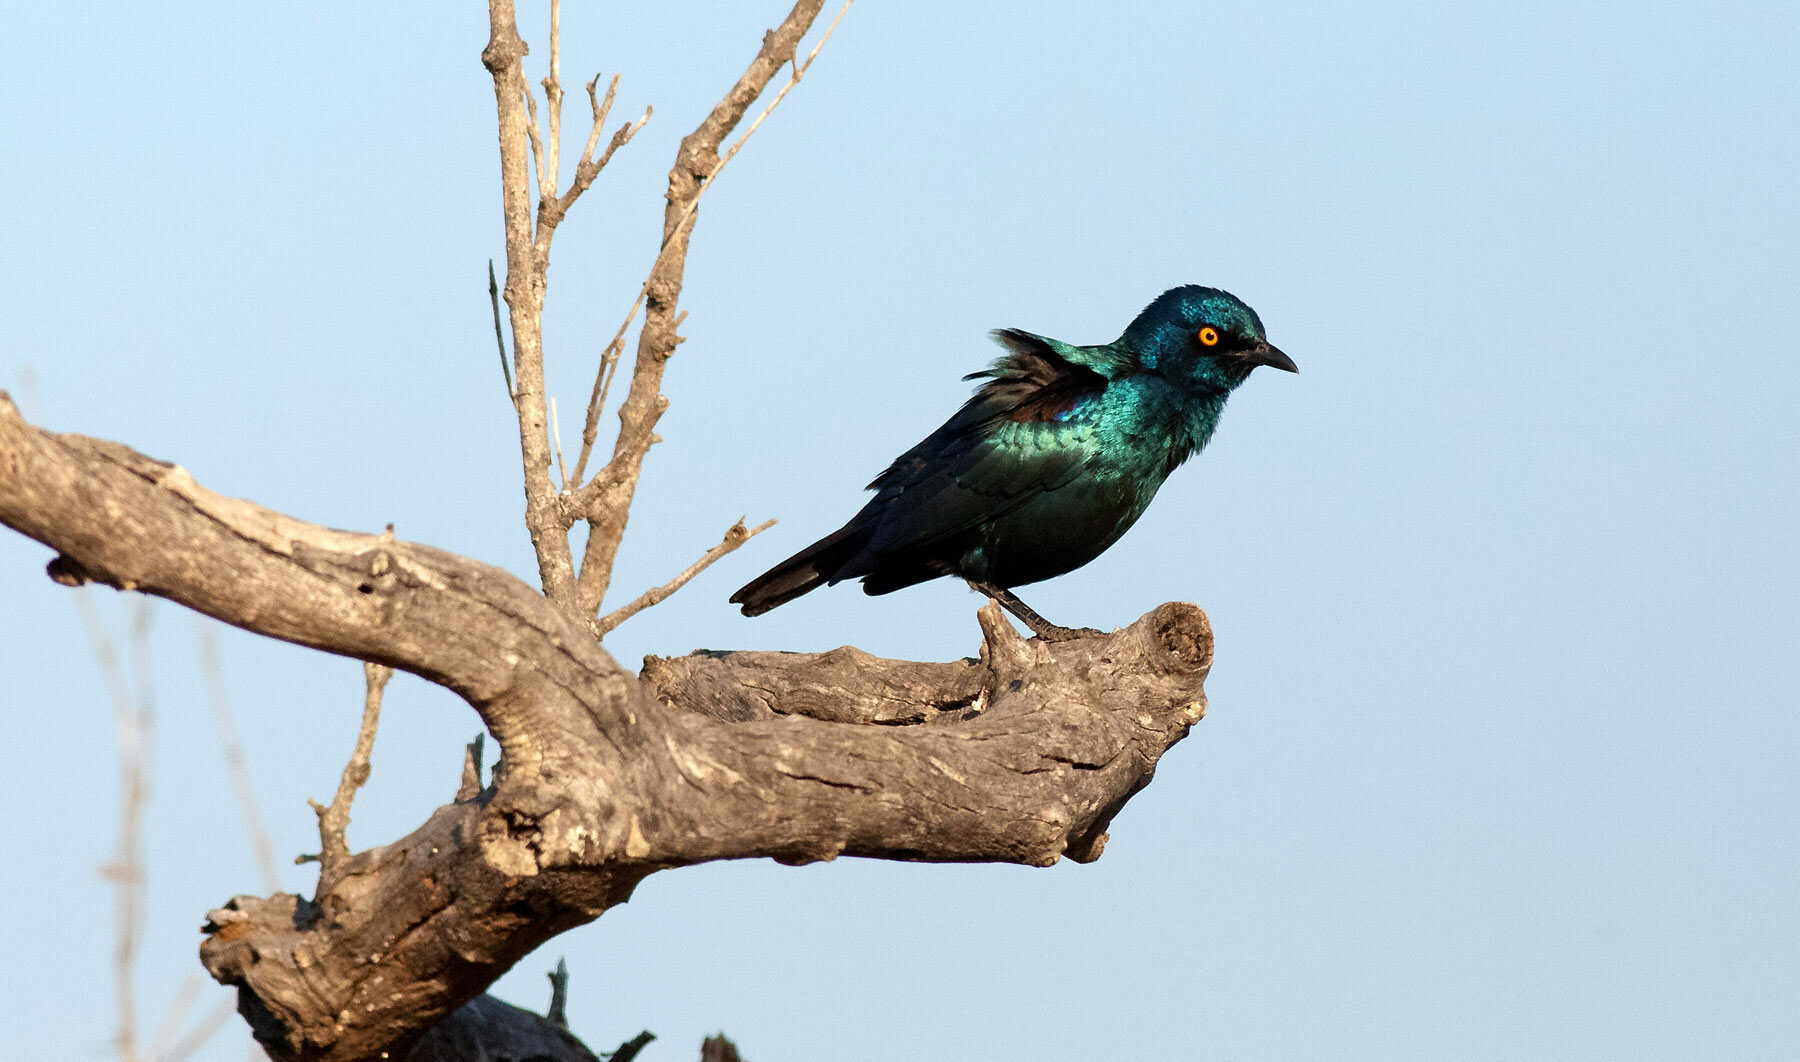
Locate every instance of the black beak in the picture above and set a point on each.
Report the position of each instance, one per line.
(1267, 354)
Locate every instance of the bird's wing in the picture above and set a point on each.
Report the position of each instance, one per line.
(1030, 353)
(1027, 430)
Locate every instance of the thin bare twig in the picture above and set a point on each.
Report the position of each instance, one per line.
(470, 786)
(552, 209)
(235, 765)
(798, 71)
(203, 1031)
(630, 1049)
(134, 718)
(524, 291)
(735, 537)
(185, 994)
(537, 145)
(558, 1010)
(553, 97)
(334, 850)
(606, 503)
(609, 356)
(547, 519)
(601, 109)
(165, 1046)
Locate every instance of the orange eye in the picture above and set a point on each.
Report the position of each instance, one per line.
(1209, 336)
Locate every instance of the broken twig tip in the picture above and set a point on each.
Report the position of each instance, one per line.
(557, 1012)
(735, 536)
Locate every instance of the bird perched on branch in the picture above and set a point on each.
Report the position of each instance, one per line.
(1047, 464)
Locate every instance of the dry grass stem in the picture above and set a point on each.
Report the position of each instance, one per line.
(735, 537)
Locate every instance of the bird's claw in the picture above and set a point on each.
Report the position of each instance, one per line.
(1050, 632)
(1043, 628)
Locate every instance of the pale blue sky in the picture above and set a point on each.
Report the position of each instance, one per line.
(1501, 757)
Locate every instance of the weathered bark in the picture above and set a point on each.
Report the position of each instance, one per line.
(1022, 755)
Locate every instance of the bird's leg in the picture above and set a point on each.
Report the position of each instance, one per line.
(1040, 626)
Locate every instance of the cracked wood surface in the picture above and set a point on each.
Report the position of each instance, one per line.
(1022, 754)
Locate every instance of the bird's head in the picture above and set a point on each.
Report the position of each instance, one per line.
(1202, 338)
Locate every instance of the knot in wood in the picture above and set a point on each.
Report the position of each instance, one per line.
(503, 51)
(379, 564)
(1179, 638)
(65, 570)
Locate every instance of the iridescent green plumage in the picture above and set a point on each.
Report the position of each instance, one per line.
(1050, 461)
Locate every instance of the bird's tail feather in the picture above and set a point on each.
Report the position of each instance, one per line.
(806, 570)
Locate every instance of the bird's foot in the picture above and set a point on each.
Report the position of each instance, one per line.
(1040, 626)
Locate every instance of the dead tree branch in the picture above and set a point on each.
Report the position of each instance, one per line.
(551, 510)
(334, 819)
(524, 291)
(558, 1010)
(609, 357)
(522, 136)
(470, 786)
(553, 208)
(631, 1048)
(1023, 755)
(607, 506)
(736, 536)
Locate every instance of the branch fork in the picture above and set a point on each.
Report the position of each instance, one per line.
(604, 502)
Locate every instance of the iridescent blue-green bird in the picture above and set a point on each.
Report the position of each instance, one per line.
(1047, 464)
